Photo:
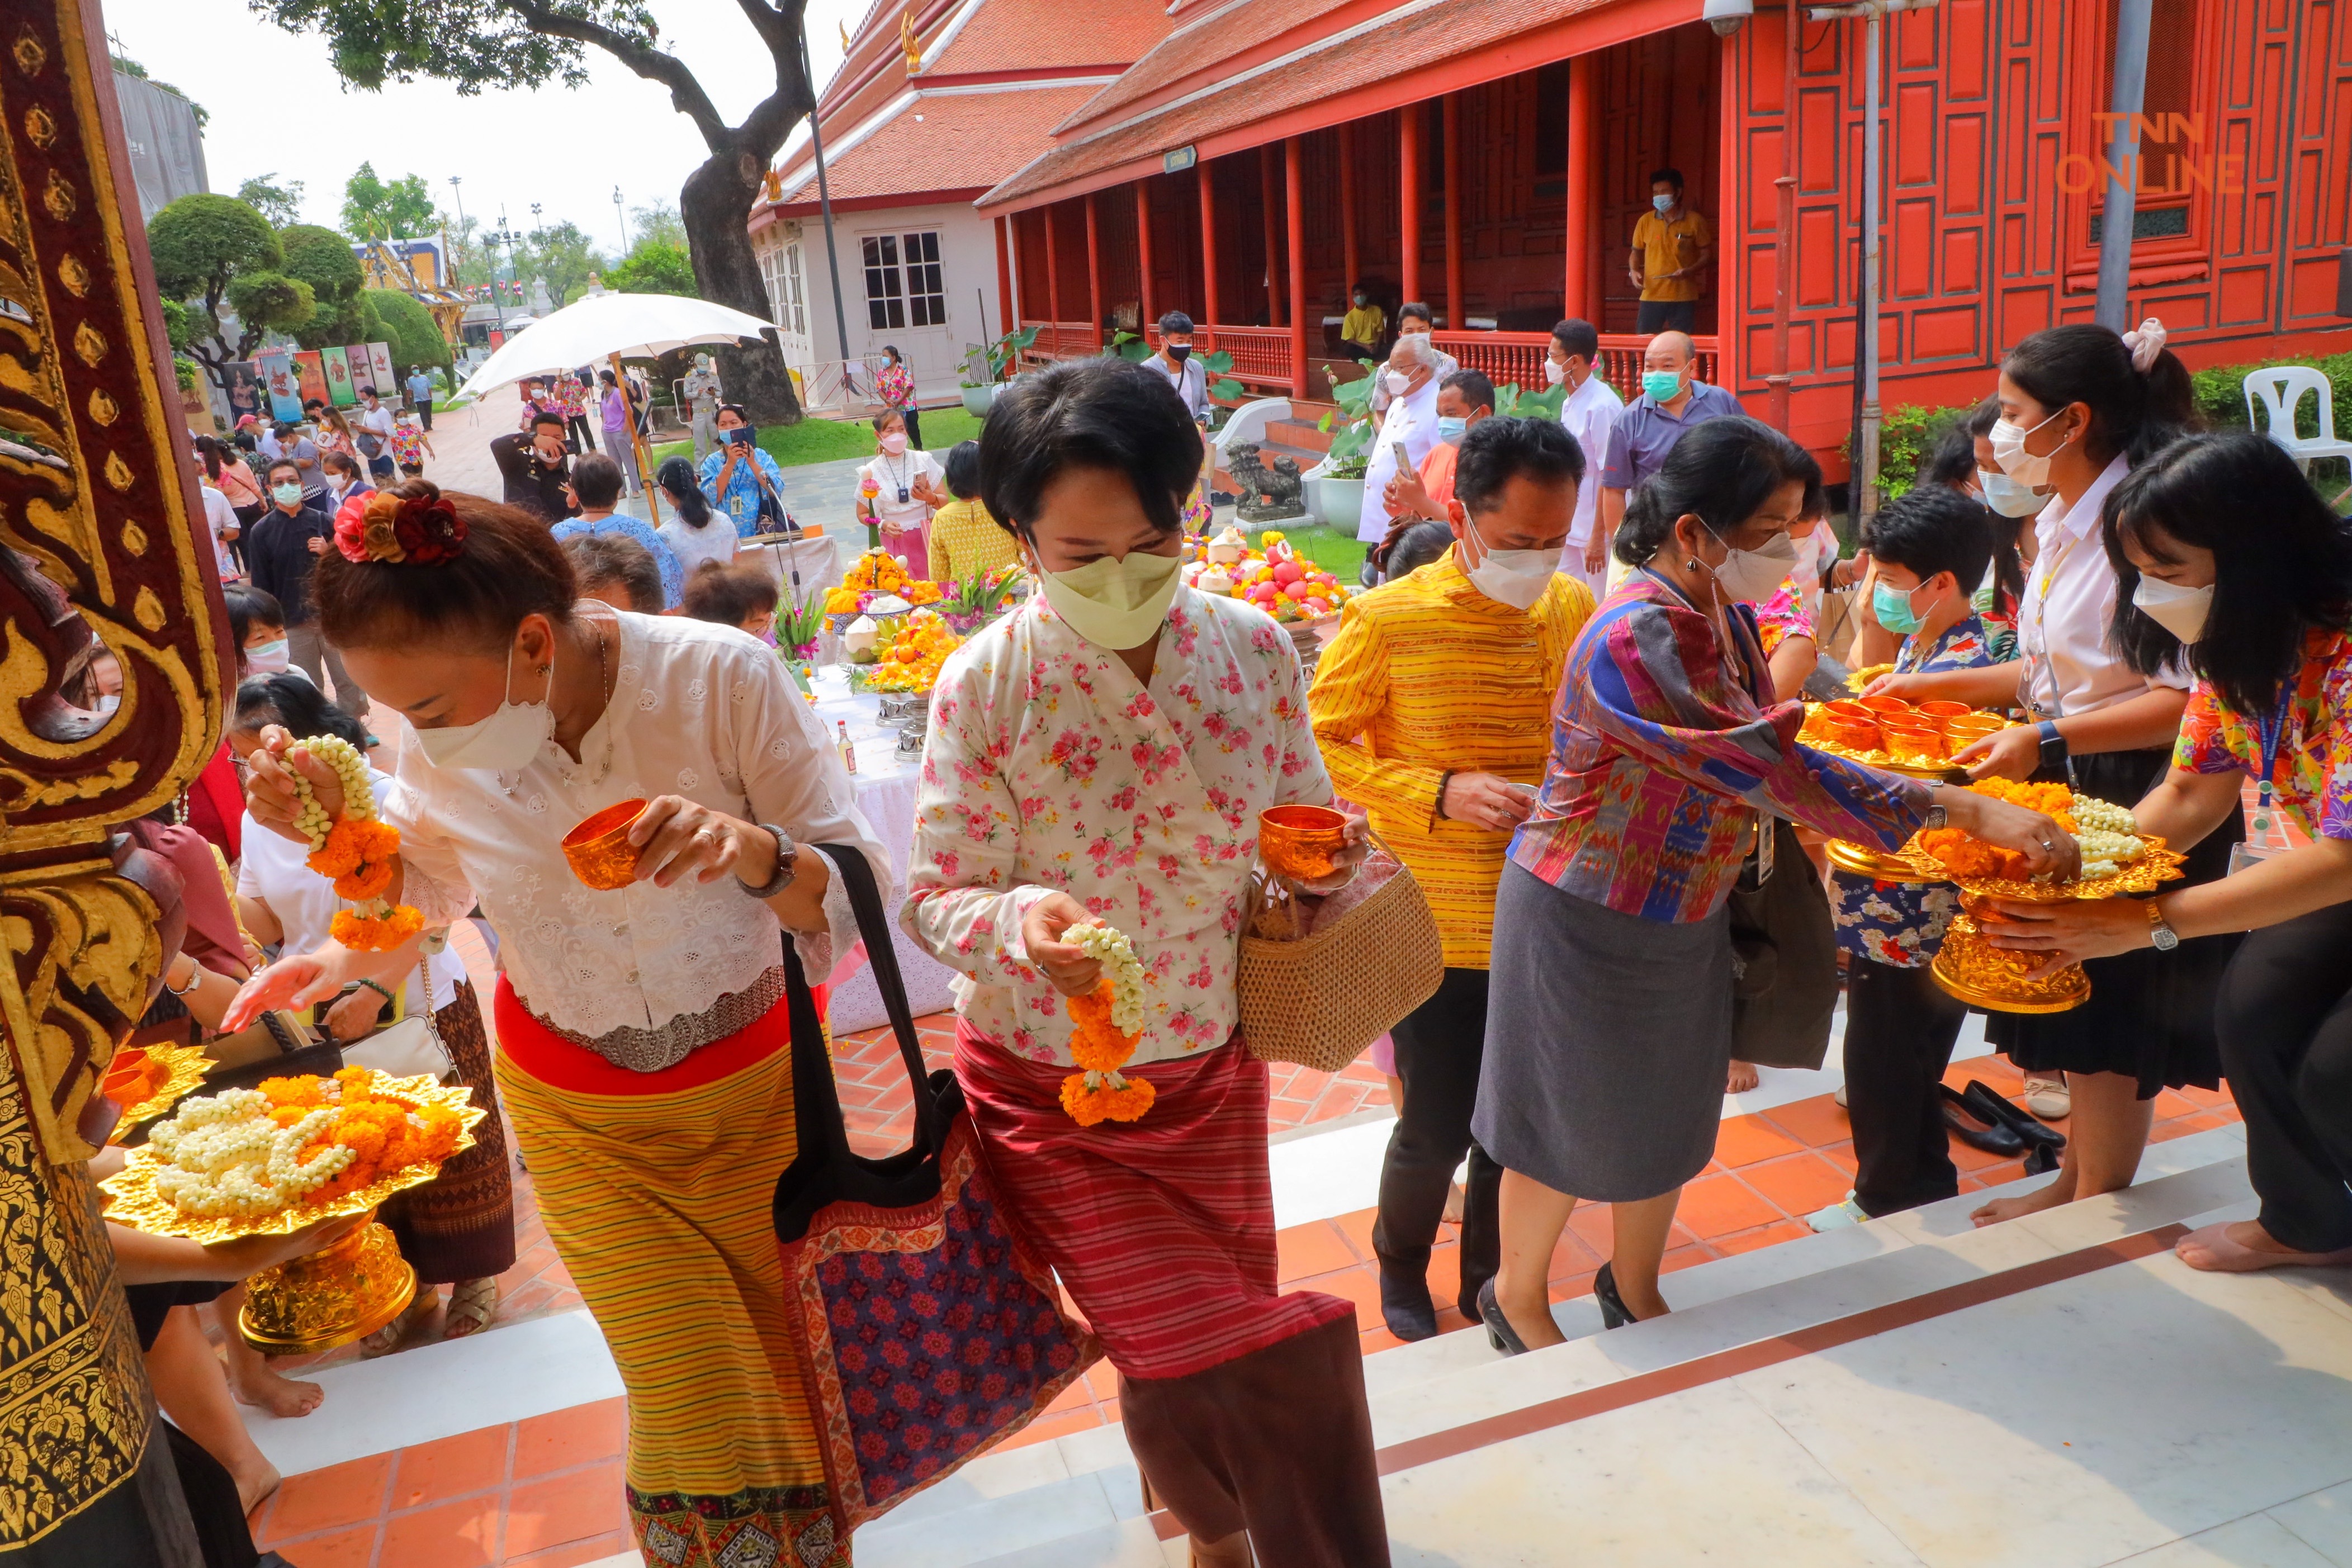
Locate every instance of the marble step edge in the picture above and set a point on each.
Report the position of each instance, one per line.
(1083, 1488)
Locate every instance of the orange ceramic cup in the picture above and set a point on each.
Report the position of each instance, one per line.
(1913, 739)
(129, 1081)
(1299, 841)
(1882, 706)
(599, 849)
(1940, 711)
(1970, 728)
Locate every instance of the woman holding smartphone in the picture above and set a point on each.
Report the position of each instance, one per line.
(734, 476)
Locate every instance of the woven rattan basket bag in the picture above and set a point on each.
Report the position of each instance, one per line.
(1318, 986)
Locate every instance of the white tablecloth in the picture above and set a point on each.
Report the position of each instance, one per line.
(885, 793)
(815, 557)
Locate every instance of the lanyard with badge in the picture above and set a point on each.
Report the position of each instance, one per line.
(2261, 843)
(2039, 659)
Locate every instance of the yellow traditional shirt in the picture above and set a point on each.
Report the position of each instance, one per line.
(965, 539)
(1429, 676)
(1667, 243)
(1363, 324)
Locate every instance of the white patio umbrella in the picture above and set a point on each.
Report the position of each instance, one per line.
(607, 327)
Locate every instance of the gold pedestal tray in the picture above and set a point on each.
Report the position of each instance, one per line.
(1984, 975)
(330, 1298)
(1812, 734)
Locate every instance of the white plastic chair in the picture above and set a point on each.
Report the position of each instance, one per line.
(2280, 389)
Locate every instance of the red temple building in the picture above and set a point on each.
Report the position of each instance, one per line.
(1492, 157)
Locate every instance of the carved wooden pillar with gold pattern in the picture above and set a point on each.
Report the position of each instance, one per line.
(101, 547)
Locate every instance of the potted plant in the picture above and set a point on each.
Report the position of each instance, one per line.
(1000, 355)
(1337, 496)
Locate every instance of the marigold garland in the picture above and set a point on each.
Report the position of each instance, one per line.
(355, 851)
(1107, 1027)
(251, 1152)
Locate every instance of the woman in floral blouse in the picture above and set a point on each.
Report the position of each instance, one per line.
(2225, 557)
(1104, 751)
(895, 385)
(1930, 547)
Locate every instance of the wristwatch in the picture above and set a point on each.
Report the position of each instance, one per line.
(2053, 745)
(788, 857)
(2159, 931)
(1937, 817)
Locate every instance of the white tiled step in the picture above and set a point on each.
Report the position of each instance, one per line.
(1075, 1501)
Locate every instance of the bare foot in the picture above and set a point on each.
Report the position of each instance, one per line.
(255, 1484)
(2243, 1247)
(284, 1397)
(1453, 1201)
(1744, 1078)
(2048, 1195)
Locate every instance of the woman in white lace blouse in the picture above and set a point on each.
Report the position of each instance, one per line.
(645, 1056)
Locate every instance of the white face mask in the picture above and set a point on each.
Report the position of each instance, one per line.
(1752, 576)
(1555, 373)
(1514, 577)
(2030, 469)
(1115, 604)
(268, 658)
(1397, 381)
(2183, 612)
(511, 739)
(2006, 496)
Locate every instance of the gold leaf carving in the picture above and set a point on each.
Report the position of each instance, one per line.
(134, 539)
(30, 55)
(29, 793)
(146, 609)
(62, 523)
(118, 473)
(74, 276)
(40, 127)
(58, 197)
(102, 408)
(91, 344)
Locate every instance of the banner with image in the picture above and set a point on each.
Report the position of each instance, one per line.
(282, 393)
(309, 377)
(387, 380)
(337, 364)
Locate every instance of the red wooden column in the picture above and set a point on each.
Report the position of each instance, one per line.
(1347, 209)
(1053, 278)
(1004, 277)
(1094, 271)
(1208, 249)
(1579, 296)
(1295, 200)
(1145, 315)
(1269, 175)
(1409, 196)
(1450, 122)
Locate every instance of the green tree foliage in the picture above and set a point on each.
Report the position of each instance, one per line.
(211, 250)
(324, 260)
(508, 43)
(656, 267)
(179, 327)
(374, 208)
(658, 221)
(281, 204)
(409, 328)
(562, 257)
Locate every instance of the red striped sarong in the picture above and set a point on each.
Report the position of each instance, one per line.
(1161, 1229)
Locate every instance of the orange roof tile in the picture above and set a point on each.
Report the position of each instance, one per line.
(1025, 34)
(1204, 37)
(964, 141)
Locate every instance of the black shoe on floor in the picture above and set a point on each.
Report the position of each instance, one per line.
(2042, 1161)
(1990, 1108)
(1499, 1331)
(1992, 1137)
(1405, 1305)
(1613, 1313)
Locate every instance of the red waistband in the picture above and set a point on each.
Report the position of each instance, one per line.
(560, 1064)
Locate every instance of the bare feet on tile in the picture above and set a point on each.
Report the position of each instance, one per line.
(253, 1383)
(2243, 1246)
(2049, 1195)
(1744, 1077)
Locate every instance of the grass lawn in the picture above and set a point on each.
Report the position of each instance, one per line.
(1333, 549)
(828, 440)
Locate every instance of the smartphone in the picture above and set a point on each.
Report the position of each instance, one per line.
(1404, 463)
(741, 435)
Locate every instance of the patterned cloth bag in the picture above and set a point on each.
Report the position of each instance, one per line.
(926, 1332)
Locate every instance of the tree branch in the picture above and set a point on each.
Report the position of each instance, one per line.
(778, 27)
(686, 94)
(764, 129)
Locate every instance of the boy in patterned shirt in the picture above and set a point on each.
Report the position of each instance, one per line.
(1932, 547)
(409, 445)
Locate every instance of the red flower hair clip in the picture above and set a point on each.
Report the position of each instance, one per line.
(396, 530)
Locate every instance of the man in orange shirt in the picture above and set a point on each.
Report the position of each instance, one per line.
(1464, 398)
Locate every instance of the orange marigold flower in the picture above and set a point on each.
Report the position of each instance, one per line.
(368, 880)
(1130, 1100)
(1086, 1106)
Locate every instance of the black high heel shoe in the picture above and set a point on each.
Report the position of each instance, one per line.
(1991, 1108)
(1977, 1129)
(1614, 1314)
(1499, 1331)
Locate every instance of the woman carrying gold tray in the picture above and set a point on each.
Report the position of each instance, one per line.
(645, 1059)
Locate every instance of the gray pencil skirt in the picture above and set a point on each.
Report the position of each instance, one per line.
(1608, 1037)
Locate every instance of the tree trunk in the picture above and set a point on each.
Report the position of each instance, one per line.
(715, 204)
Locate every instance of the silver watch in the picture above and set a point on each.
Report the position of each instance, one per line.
(788, 856)
(1937, 817)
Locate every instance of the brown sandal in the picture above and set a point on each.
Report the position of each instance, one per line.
(471, 1302)
(386, 1340)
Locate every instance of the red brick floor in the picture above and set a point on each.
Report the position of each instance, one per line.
(545, 1493)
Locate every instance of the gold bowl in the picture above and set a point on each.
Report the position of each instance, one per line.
(599, 850)
(1822, 733)
(1905, 865)
(1970, 967)
(1299, 841)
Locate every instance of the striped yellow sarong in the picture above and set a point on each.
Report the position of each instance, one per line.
(655, 1188)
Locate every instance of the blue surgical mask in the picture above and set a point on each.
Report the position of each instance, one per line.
(1892, 605)
(1663, 204)
(1451, 430)
(1662, 386)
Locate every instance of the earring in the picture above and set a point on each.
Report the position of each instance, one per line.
(544, 668)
